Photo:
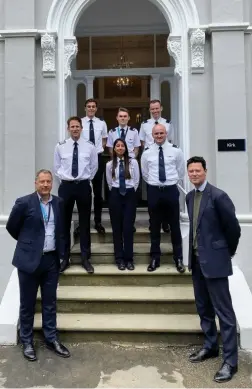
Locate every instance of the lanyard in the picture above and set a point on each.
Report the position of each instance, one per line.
(46, 216)
(119, 132)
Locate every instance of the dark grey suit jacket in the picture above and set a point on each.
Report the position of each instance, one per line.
(218, 232)
(26, 225)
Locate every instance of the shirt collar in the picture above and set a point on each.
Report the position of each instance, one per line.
(163, 145)
(86, 118)
(202, 187)
(40, 198)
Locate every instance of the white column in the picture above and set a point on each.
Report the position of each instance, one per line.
(155, 92)
(89, 82)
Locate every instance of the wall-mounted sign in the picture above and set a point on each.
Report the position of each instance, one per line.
(231, 145)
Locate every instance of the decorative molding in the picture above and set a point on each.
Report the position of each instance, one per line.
(174, 47)
(218, 27)
(82, 74)
(26, 33)
(197, 40)
(48, 46)
(106, 30)
(70, 52)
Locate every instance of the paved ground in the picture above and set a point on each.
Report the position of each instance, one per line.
(96, 365)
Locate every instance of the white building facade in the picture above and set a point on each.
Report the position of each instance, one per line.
(210, 76)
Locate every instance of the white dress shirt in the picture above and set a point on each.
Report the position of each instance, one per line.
(201, 188)
(133, 182)
(131, 138)
(173, 160)
(100, 131)
(48, 217)
(87, 160)
(145, 132)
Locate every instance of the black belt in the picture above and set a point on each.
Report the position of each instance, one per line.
(163, 187)
(49, 252)
(73, 181)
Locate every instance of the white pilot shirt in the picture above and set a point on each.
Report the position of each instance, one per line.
(87, 160)
(131, 138)
(145, 132)
(100, 131)
(174, 164)
(133, 182)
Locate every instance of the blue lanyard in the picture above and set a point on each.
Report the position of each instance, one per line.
(46, 216)
(119, 132)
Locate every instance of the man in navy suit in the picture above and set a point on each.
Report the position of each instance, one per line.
(213, 240)
(36, 223)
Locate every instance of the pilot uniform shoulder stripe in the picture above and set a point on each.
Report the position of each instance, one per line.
(62, 142)
(175, 146)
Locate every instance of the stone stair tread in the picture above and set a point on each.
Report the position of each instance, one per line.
(111, 269)
(108, 248)
(161, 293)
(176, 323)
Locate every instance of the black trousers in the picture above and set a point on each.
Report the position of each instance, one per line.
(163, 204)
(212, 297)
(46, 276)
(122, 211)
(97, 189)
(80, 191)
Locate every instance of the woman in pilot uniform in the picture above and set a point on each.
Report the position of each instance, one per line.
(122, 174)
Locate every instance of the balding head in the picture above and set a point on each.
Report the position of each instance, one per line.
(159, 134)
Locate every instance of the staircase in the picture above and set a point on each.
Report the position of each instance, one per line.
(126, 306)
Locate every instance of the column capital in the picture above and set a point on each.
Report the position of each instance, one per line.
(197, 41)
(89, 79)
(48, 46)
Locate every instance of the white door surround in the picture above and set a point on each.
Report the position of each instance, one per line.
(180, 16)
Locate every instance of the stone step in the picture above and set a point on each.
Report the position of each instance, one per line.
(104, 253)
(142, 235)
(172, 329)
(109, 275)
(125, 299)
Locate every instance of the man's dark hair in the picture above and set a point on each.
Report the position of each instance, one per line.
(121, 109)
(155, 101)
(91, 101)
(197, 160)
(77, 118)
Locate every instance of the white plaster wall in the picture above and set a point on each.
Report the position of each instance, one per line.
(204, 10)
(202, 139)
(248, 68)
(19, 14)
(7, 245)
(2, 105)
(41, 12)
(1, 14)
(226, 11)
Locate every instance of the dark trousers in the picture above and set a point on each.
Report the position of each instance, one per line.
(97, 189)
(122, 211)
(163, 204)
(80, 192)
(212, 297)
(46, 276)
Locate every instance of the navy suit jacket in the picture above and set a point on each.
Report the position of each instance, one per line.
(26, 225)
(218, 232)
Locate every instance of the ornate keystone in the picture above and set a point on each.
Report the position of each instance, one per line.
(48, 47)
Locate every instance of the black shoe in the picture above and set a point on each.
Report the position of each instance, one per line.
(130, 265)
(99, 228)
(29, 352)
(166, 227)
(65, 264)
(58, 348)
(180, 266)
(225, 373)
(121, 265)
(87, 266)
(154, 264)
(203, 354)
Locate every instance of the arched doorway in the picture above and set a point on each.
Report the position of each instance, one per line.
(63, 18)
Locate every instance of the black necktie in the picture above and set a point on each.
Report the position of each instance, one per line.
(122, 183)
(161, 165)
(122, 134)
(91, 132)
(156, 122)
(75, 161)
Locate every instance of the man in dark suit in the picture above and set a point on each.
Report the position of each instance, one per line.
(213, 240)
(36, 223)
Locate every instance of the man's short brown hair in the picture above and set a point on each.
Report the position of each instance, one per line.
(155, 101)
(77, 118)
(91, 101)
(121, 109)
